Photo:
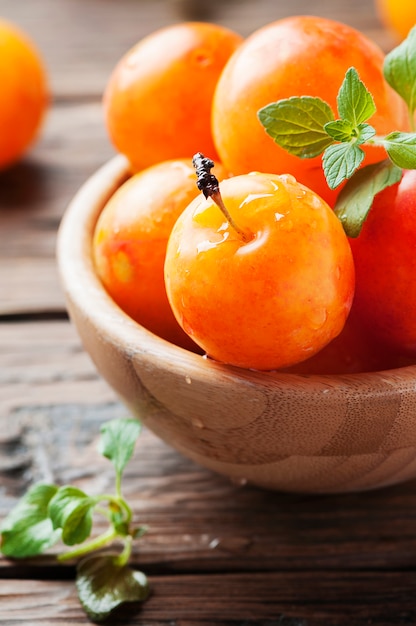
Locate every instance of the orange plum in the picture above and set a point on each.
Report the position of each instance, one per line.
(270, 294)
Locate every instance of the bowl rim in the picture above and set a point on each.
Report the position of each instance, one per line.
(78, 278)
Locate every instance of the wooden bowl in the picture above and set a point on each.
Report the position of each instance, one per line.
(275, 430)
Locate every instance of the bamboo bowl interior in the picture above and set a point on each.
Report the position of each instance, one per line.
(298, 433)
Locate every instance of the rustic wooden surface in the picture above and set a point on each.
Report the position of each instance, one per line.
(215, 552)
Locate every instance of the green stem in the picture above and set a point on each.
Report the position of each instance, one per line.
(127, 510)
(216, 196)
(109, 535)
(118, 484)
(376, 141)
(104, 512)
(412, 119)
(124, 557)
(119, 501)
(90, 546)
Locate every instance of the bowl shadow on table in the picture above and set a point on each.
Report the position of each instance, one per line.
(315, 555)
(23, 185)
(199, 521)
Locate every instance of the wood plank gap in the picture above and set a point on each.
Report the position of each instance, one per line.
(27, 569)
(35, 316)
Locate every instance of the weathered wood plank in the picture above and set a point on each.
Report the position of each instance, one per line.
(42, 369)
(52, 405)
(42, 363)
(198, 522)
(30, 285)
(216, 552)
(33, 197)
(34, 193)
(262, 599)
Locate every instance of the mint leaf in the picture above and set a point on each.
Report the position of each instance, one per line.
(355, 103)
(340, 162)
(297, 124)
(103, 585)
(356, 198)
(401, 148)
(344, 131)
(340, 130)
(27, 530)
(71, 510)
(118, 438)
(400, 70)
(364, 133)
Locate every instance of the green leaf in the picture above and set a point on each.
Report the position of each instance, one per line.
(401, 148)
(139, 532)
(118, 438)
(355, 103)
(27, 530)
(356, 198)
(340, 130)
(340, 162)
(297, 124)
(364, 133)
(400, 70)
(343, 131)
(103, 585)
(71, 510)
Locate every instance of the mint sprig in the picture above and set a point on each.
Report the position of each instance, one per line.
(306, 127)
(47, 514)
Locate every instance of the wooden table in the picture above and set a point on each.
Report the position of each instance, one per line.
(215, 552)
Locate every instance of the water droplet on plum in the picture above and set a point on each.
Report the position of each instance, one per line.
(251, 197)
(288, 178)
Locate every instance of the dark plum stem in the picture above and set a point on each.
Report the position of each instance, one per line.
(209, 185)
(207, 182)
